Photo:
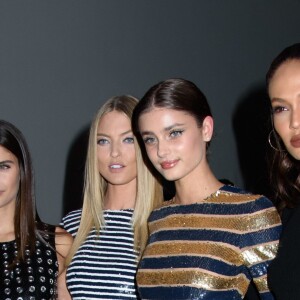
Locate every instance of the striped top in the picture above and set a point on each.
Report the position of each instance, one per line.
(211, 249)
(105, 267)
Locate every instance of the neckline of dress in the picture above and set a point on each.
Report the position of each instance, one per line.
(213, 195)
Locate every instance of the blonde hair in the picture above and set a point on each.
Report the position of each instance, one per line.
(148, 194)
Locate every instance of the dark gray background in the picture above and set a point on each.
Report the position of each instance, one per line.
(60, 60)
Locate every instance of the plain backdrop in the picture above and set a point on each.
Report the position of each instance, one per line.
(61, 59)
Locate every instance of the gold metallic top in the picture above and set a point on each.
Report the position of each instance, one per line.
(211, 249)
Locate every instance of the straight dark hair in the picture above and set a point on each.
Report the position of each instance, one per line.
(25, 212)
(175, 93)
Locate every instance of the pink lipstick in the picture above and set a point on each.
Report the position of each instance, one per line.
(295, 141)
(169, 164)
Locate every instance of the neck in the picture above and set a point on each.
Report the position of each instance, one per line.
(120, 196)
(197, 186)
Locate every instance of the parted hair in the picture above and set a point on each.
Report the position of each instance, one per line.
(25, 215)
(174, 93)
(284, 170)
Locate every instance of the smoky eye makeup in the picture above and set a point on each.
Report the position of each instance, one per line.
(5, 165)
(278, 109)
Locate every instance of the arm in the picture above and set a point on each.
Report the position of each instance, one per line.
(261, 244)
(63, 242)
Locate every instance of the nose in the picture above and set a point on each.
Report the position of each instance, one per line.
(115, 150)
(295, 119)
(162, 148)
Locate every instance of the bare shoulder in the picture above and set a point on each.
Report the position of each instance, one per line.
(63, 241)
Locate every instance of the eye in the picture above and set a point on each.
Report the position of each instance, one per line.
(4, 166)
(278, 109)
(148, 140)
(176, 133)
(129, 140)
(102, 141)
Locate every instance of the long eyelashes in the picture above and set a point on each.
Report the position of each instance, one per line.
(278, 109)
(176, 133)
(129, 140)
(148, 140)
(173, 134)
(103, 141)
(4, 166)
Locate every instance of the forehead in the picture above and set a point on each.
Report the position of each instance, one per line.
(6, 154)
(161, 118)
(286, 76)
(114, 121)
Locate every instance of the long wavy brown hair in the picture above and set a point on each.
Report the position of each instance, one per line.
(284, 170)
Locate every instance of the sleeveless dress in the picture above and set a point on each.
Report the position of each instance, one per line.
(104, 266)
(33, 279)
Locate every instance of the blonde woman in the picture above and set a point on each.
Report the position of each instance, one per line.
(119, 194)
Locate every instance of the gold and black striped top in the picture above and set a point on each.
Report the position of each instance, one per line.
(211, 249)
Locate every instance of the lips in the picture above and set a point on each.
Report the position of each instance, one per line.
(295, 141)
(169, 164)
(116, 166)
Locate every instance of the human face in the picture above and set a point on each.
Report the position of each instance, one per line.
(115, 149)
(9, 178)
(284, 92)
(175, 144)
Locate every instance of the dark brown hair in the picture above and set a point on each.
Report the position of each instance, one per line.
(176, 93)
(25, 212)
(284, 170)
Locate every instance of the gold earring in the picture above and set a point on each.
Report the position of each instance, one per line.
(269, 139)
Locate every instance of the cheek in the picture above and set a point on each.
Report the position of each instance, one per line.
(14, 183)
(17, 185)
(132, 153)
(101, 159)
(151, 153)
(281, 125)
(190, 143)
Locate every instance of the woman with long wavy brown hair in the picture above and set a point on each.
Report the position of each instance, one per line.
(283, 83)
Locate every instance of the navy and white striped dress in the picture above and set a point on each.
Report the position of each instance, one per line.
(104, 267)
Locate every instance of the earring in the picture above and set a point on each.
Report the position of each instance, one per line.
(269, 139)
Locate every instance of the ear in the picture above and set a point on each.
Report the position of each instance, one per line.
(207, 128)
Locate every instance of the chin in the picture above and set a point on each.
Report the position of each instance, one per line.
(170, 177)
(294, 152)
(296, 156)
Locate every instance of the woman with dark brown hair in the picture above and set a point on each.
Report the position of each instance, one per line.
(32, 253)
(283, 83)
(211, 239)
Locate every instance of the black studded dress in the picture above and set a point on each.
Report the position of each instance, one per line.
(33, 279)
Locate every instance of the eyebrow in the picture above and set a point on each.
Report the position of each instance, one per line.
(278, 100)
(166, 129)
(282, 100)
(6, 162)
(123, 133)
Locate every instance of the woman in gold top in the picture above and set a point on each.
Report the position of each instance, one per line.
(211, 239)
